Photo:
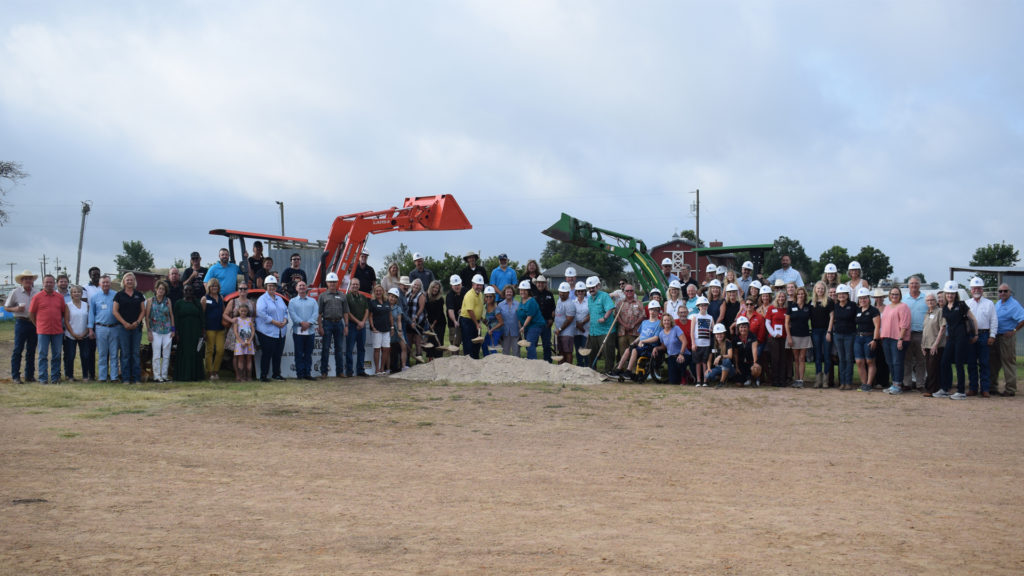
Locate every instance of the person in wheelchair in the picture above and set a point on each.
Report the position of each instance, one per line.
(643, 345)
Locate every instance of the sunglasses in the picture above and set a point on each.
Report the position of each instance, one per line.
(629, 290)
(1003, 291)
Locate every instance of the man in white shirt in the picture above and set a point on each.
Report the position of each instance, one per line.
(977, 363)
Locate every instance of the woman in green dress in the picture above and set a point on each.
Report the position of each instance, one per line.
(188, 315)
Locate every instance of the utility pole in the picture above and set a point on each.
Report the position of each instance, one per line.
(281, 204)
(11, 264)
(86, 207)
(695, 208)
(43, 262)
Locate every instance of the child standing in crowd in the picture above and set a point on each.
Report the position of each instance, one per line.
(701, 339)
(244, 349)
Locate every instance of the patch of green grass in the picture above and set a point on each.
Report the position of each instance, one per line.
(555, 406)
(424, 424)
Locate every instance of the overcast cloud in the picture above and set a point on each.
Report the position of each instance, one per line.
(895, 124)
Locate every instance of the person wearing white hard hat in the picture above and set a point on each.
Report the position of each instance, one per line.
(453, 304)
(1010, 319)
(960, 331)
(18, 302)
(754, 290)
(531, 322)
(365, 273)
(380, 330)
(830, 276)
(565, 323)
(701, 324)
(674, 300)
(866, 342)
(654, 296)
(397, 333)
(822, 315)
(746, 350)
(755, 320)
(894, 331)
(714, 296)
(546, 300)
(471, 315)
(710, 273)
(720, 364)
(978, 369)
(421, 272)
(844, 333)
(746, 277)
(493, 323)
(332, 325)
(503, 275)
(642, 345)
(271, 325)
(787, 273)
(856, 281)
(358, 328)
(302, 310)
(473, 267)
(666, 269)
(582, 321)
(601, 310)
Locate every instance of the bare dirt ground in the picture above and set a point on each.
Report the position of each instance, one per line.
(382, 476)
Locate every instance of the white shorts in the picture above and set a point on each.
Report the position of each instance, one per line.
(380, 339)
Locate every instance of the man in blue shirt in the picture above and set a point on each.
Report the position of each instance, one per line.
(303, 312)
(1010, 318)
(602, 310)
(503, 275)
(915, 362)
(787, 274)
(225, 272)
(105, 329)
(666, 268)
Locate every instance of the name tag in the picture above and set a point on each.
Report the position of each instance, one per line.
(932, 316)
(103, 306)
(795, 309)
(209, 301)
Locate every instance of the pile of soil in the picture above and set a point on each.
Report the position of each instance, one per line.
(498, 368)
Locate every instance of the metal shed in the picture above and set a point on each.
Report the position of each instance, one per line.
(1010, 275)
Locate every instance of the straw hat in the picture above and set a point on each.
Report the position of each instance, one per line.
(26, 273)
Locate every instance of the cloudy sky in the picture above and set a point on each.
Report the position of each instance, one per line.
(897, 124)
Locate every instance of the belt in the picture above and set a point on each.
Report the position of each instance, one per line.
(985, 331)
(107, 325)
(865, 333)
(333, 320)
(916, 331)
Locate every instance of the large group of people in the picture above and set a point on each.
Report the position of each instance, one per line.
(727, 328)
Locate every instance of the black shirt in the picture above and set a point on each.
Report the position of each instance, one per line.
(715, 352)
(799, 319)
(129, 307)
(845, 317)
(290, 279)
(194, 278)
(453, 301)
(467, 274)
(175, 293)
(745, 350)
(367, 278)
(546, 301)
(380, 315)
(865, 319)
(732, 309)
(957, 323)
(819, 314)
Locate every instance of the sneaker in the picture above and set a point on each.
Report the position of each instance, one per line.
(958, 396)
(798, 384)
(894, 389)
(865, 388)
(941, 394)
(704, 384)
(747, 383)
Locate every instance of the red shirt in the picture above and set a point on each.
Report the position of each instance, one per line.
(777, 316)
(757, 326)
(48, 308)
(685, 327)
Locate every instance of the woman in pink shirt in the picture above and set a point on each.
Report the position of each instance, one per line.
(895, 335)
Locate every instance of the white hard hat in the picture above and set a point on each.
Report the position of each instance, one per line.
(732, 288)
(540, 278)
(570, 272)
(748, 265)
(653, 290)
(742, 320)
(653, 304)
(455, 280)
(702, 300)
(593, 282)
(764, 290)
(711, 268)
(854, 265)
(394, 292)
(490, 290)
(756, 284)
(270, 280)
(721, 270)
(332, 277)
(478, 279)
(580, 285)
(843, 289)
(417, 256)
(666, 261)
(831, 269)
(564, 287)
(675, 284)
(863, 293)
(524, 285)
(714, 282)
(977, 282)
(951, 287)
(718, 329)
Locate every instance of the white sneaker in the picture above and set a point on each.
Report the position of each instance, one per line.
(941, 394)
(958, 396)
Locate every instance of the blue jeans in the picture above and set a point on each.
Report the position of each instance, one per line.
(131, 368)
(491, 339)
(69, 356)
(844, 350)
(333, 332)
(894, 358)
(106, 349)
(675, 369)
(822, 351)
(715, 374)
(862, 347)
(356, 339)
(50, 347)
(533, 332)
(303, 347)
(24, 341)
(545, 338)
(469, 331)
(977, 361)
(580, 341)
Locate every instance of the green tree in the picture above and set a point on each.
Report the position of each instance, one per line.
(179, 263)
(835, 255)
(920, 276)
(874, 264)
(691, 236)
(607, 265)
(999, 254)
(797, 257)
(12, 172)
(135, 257)
(402, 257)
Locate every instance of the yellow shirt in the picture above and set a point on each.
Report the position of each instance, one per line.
(473, 301)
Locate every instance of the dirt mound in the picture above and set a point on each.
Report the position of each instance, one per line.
(498, 368)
